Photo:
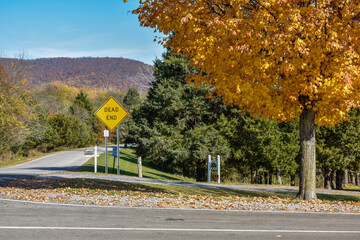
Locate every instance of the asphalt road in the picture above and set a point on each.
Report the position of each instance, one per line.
(23, 220)
(26, 220)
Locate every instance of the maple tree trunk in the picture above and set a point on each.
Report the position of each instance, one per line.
(352, 177)
(270, 177)
(332, 180)
(327, 179)
(346, 177)
(200, 171)
(357, 179)
(307, 186)
(339, 179)
(259, 180)
(292, 180)
(266, 177)
(253, 176)
(278, 176)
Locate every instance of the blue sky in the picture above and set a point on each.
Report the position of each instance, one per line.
(74, 28)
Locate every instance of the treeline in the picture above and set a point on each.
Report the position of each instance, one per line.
(50, 118)
(101, 73)
(174, 128)
(179, 124)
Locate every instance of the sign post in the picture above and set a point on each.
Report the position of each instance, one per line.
(118, 150)
(111, 113)
(106, 135)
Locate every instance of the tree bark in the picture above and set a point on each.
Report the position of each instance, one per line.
(352, 177)
(266, 177)
(339, 179)
(292, 180)
(346, 177)
(327, 178)
(357, 179)
(278, 176)
(253, 176)
(307, 186)
(270, 177)
(332, 179)
(200, 171)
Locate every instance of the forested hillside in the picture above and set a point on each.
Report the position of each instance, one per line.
(103, 73)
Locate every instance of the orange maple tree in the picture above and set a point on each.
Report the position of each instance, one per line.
(277, 59)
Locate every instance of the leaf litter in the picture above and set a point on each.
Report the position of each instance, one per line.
(107, 193)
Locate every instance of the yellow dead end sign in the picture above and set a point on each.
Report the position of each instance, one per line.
(111, 113)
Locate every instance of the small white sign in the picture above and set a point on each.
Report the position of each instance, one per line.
(106, 133)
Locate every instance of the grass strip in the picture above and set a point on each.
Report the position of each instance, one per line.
(129, 167)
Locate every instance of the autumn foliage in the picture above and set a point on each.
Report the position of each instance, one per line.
(276, 59)
(273, 58)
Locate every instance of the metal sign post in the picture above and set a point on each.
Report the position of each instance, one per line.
(106, 135)
(118, 150)
(213, 166)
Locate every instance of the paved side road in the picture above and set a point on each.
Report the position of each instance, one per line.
(23, 220)
(61, 161)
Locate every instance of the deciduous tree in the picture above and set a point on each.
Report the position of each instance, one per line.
(276, 59)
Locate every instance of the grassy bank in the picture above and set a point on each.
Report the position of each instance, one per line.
(129, 167)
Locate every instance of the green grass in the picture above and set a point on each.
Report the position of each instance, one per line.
(129, 167)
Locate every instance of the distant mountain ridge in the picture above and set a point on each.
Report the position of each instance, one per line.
(103, 73)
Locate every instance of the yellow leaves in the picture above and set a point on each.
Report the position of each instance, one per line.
(262, 59)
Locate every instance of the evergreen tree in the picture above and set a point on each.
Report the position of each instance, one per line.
(173, 127)
(132, 98)
(338, 149)
(83, 109)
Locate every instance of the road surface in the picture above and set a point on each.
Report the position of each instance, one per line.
(23, 220)
(61, 161)
(27, 220)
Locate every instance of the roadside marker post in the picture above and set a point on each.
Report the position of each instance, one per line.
(218, 168)
(95, 159)
(139, 167)
(209, 168)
